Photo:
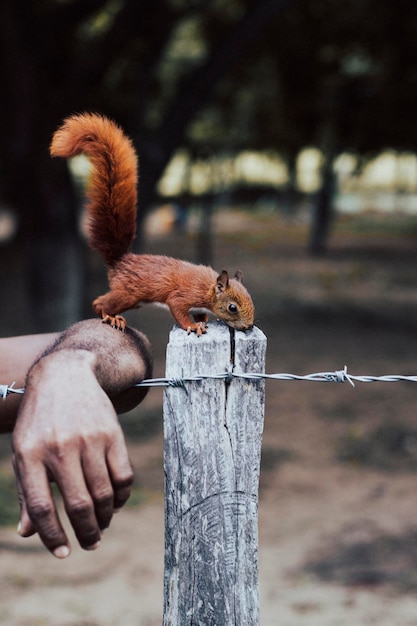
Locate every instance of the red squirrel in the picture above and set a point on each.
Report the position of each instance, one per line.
(137, 279)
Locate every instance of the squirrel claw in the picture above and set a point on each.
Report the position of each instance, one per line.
(115, 321)
(200, 328)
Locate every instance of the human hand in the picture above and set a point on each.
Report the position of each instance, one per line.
(67, 432)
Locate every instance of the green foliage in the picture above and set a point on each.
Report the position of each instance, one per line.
(9, 506)
(138, 497)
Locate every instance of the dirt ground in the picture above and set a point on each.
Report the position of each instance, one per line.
(338, 504)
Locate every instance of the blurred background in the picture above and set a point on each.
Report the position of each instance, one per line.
(277, 137)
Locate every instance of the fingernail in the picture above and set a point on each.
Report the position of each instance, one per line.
(19, 528)
(94, 546)
(61, 552)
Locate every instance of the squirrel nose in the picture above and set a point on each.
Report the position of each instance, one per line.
(245, 327)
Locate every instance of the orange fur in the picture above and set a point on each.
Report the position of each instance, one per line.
(139, 279)
(112, 186)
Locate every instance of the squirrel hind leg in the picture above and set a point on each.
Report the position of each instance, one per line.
(115, 321)
(108, 308)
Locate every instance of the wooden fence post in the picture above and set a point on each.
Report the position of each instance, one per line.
(213, 434)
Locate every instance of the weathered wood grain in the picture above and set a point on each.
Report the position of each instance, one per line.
(213, 435)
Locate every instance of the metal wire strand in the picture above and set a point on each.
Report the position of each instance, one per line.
(5, 390)
(338, 376)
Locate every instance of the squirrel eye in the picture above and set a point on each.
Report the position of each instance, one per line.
(232, 308)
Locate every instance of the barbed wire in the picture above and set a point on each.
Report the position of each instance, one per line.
(5, 390)
(337, 376)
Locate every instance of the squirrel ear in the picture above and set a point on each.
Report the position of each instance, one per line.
(239, 276)
(222, 281)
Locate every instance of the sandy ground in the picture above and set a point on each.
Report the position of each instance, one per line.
(338, 505)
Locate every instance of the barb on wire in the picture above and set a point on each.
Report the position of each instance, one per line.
(5, 390)
(338, 376)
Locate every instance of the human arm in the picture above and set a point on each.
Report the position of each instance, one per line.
(67, 431)
(16, 356)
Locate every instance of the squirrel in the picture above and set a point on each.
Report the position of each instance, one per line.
(137, 279)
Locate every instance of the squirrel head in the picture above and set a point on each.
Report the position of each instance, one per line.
(232, 302)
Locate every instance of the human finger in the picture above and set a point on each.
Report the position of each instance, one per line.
(78, 502)
(25, 527)
(39, 512)
(120, 470)
(97, 479)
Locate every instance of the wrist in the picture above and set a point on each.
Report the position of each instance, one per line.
(62, 365)
(115, 361)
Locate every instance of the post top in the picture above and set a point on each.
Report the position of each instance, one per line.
(216, 331)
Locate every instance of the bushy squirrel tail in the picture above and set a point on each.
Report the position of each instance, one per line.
(111, 193)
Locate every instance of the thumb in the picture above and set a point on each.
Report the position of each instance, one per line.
(25, 528)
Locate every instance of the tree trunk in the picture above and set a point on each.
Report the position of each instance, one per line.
(53, 252)
(322, 212)
(205, 232)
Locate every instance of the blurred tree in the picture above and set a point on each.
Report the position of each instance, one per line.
(139, 62)
(341, 78)
(230, 73)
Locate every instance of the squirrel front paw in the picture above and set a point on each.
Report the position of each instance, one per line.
(115, 321)
(199, 328)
